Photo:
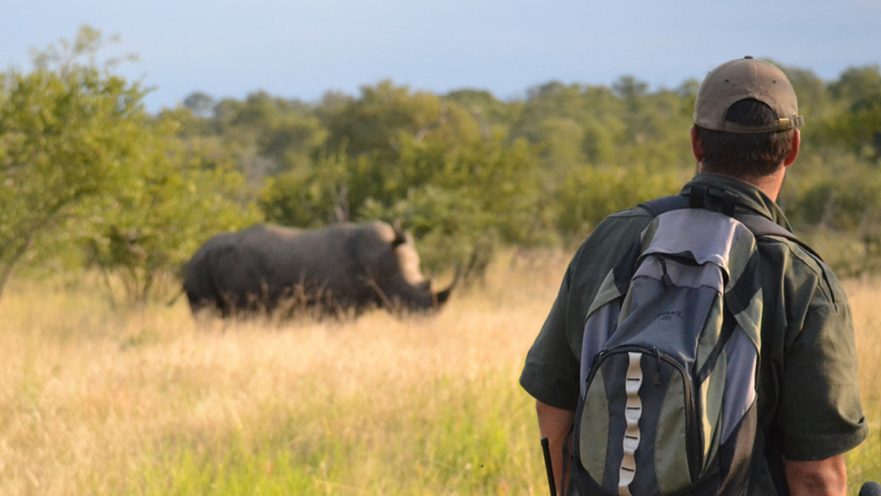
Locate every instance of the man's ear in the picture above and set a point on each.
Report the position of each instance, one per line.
(696, 148)
(796, 145)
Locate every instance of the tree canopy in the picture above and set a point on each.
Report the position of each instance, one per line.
(83, 165)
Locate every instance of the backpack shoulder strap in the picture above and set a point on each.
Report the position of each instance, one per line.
(763, 226)
(758, 224)
(695, 196)
(658, 206)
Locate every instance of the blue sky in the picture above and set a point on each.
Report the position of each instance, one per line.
(301, 48)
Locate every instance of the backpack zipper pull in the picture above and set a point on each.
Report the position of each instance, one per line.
(657, 379)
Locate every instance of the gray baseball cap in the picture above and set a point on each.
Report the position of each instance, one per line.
(742, 79)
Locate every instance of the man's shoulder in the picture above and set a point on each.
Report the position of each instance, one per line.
(622, 226)
(637, 212)
(608, 241)
(803, 267)
(629, 219)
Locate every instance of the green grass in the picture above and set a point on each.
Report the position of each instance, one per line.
(445, 436)
(864, 463)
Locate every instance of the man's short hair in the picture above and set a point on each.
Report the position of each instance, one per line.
(741, 154)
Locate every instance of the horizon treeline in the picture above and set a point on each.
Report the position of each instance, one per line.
(90, 179)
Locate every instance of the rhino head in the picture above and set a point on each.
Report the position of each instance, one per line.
(403, 287)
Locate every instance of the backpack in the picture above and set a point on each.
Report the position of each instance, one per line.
(670, 356)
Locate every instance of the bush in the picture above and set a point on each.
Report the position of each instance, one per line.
(589, 194)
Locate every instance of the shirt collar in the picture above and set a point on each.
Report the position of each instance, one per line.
(749, 196)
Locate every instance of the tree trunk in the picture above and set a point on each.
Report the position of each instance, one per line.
(17, 253)
(4, 277)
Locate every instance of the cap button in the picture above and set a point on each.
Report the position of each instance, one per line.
(748, 57)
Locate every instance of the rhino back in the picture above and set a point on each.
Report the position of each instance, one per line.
(341, 265)
(338, 257)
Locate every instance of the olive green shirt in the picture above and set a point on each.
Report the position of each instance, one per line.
(809, 397)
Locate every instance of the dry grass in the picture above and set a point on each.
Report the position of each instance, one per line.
(89, 397)
(864, 295)
(97, 401)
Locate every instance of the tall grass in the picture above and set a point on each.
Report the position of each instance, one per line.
(146, 402)
(864, 463)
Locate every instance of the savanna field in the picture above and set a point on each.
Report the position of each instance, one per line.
(102, 401)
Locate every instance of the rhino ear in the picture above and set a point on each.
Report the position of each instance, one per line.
(400, 237)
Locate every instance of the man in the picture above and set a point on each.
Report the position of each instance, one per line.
(745, 138)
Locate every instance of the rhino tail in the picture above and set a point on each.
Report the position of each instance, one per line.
(176, 296)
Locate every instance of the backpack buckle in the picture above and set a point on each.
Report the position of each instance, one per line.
(717, 200)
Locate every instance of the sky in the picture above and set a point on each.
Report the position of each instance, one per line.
(303, 48)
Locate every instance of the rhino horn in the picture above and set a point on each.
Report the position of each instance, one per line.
(442, 296)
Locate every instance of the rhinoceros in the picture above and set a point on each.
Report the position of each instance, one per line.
(340, 269)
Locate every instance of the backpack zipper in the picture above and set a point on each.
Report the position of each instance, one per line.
(693, 441)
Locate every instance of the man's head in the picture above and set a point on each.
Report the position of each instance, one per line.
(746, 120)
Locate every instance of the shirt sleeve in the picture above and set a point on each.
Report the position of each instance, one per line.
(819, 412)
(550, 374)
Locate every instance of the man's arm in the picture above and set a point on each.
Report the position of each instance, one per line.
(554, 423)
(819, 412)
(827, 477)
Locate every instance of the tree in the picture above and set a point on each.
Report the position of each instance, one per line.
(200, 104)
(164, 207)
(589, 194)
(263, 135)
(67, 129)
(859, 126)
(312, 196)
(813, 95)
(462, 202)
(384, 114)
(461, 194)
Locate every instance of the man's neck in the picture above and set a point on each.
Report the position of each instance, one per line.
(770, 184)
